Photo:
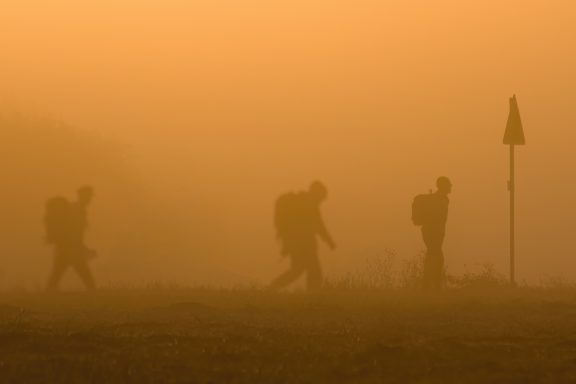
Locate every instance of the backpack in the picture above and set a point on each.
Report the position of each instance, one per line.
(422, 208)
(56, 220)
(288, 214)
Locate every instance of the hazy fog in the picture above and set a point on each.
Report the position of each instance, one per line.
(199, 113)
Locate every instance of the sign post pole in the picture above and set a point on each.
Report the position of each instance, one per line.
(512, 217)
(514, 135)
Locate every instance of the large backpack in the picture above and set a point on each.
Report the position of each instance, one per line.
(422, 208)
(288, 214)
(56, 220)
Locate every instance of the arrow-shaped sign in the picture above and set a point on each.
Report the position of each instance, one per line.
(514, 134)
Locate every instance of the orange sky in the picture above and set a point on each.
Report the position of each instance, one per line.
(242, 100)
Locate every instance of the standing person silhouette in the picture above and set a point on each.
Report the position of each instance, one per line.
(299, 223)
(434, 214)
(66, 224)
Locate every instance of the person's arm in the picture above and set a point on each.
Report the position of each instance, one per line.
(444, 212)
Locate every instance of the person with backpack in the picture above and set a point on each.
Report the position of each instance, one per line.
(65, 224)
(430, 212)
(80, 218)
(299, 223)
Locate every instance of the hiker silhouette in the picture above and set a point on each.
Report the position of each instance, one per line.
(66, 224)
(299, 223)
(430, 211)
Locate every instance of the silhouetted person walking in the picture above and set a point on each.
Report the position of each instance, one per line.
(66, 224)
(80, 218)
(298, 224)
(430, 211)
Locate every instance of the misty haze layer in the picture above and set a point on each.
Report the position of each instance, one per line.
(218, 107)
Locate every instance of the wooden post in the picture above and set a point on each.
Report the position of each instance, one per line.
(512, 222)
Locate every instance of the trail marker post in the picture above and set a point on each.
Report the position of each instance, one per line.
(514, 135)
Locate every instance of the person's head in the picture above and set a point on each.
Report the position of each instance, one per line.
(85, 195)
(318, 191)
(444, 185)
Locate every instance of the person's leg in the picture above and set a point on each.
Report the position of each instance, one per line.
(436, 260)
(296, 269)
(59, 266)
(428, 265)
(83, 270)
(433, 274)
(314, 275)
(434, 270)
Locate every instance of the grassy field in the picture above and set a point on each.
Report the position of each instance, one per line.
(500, 335)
